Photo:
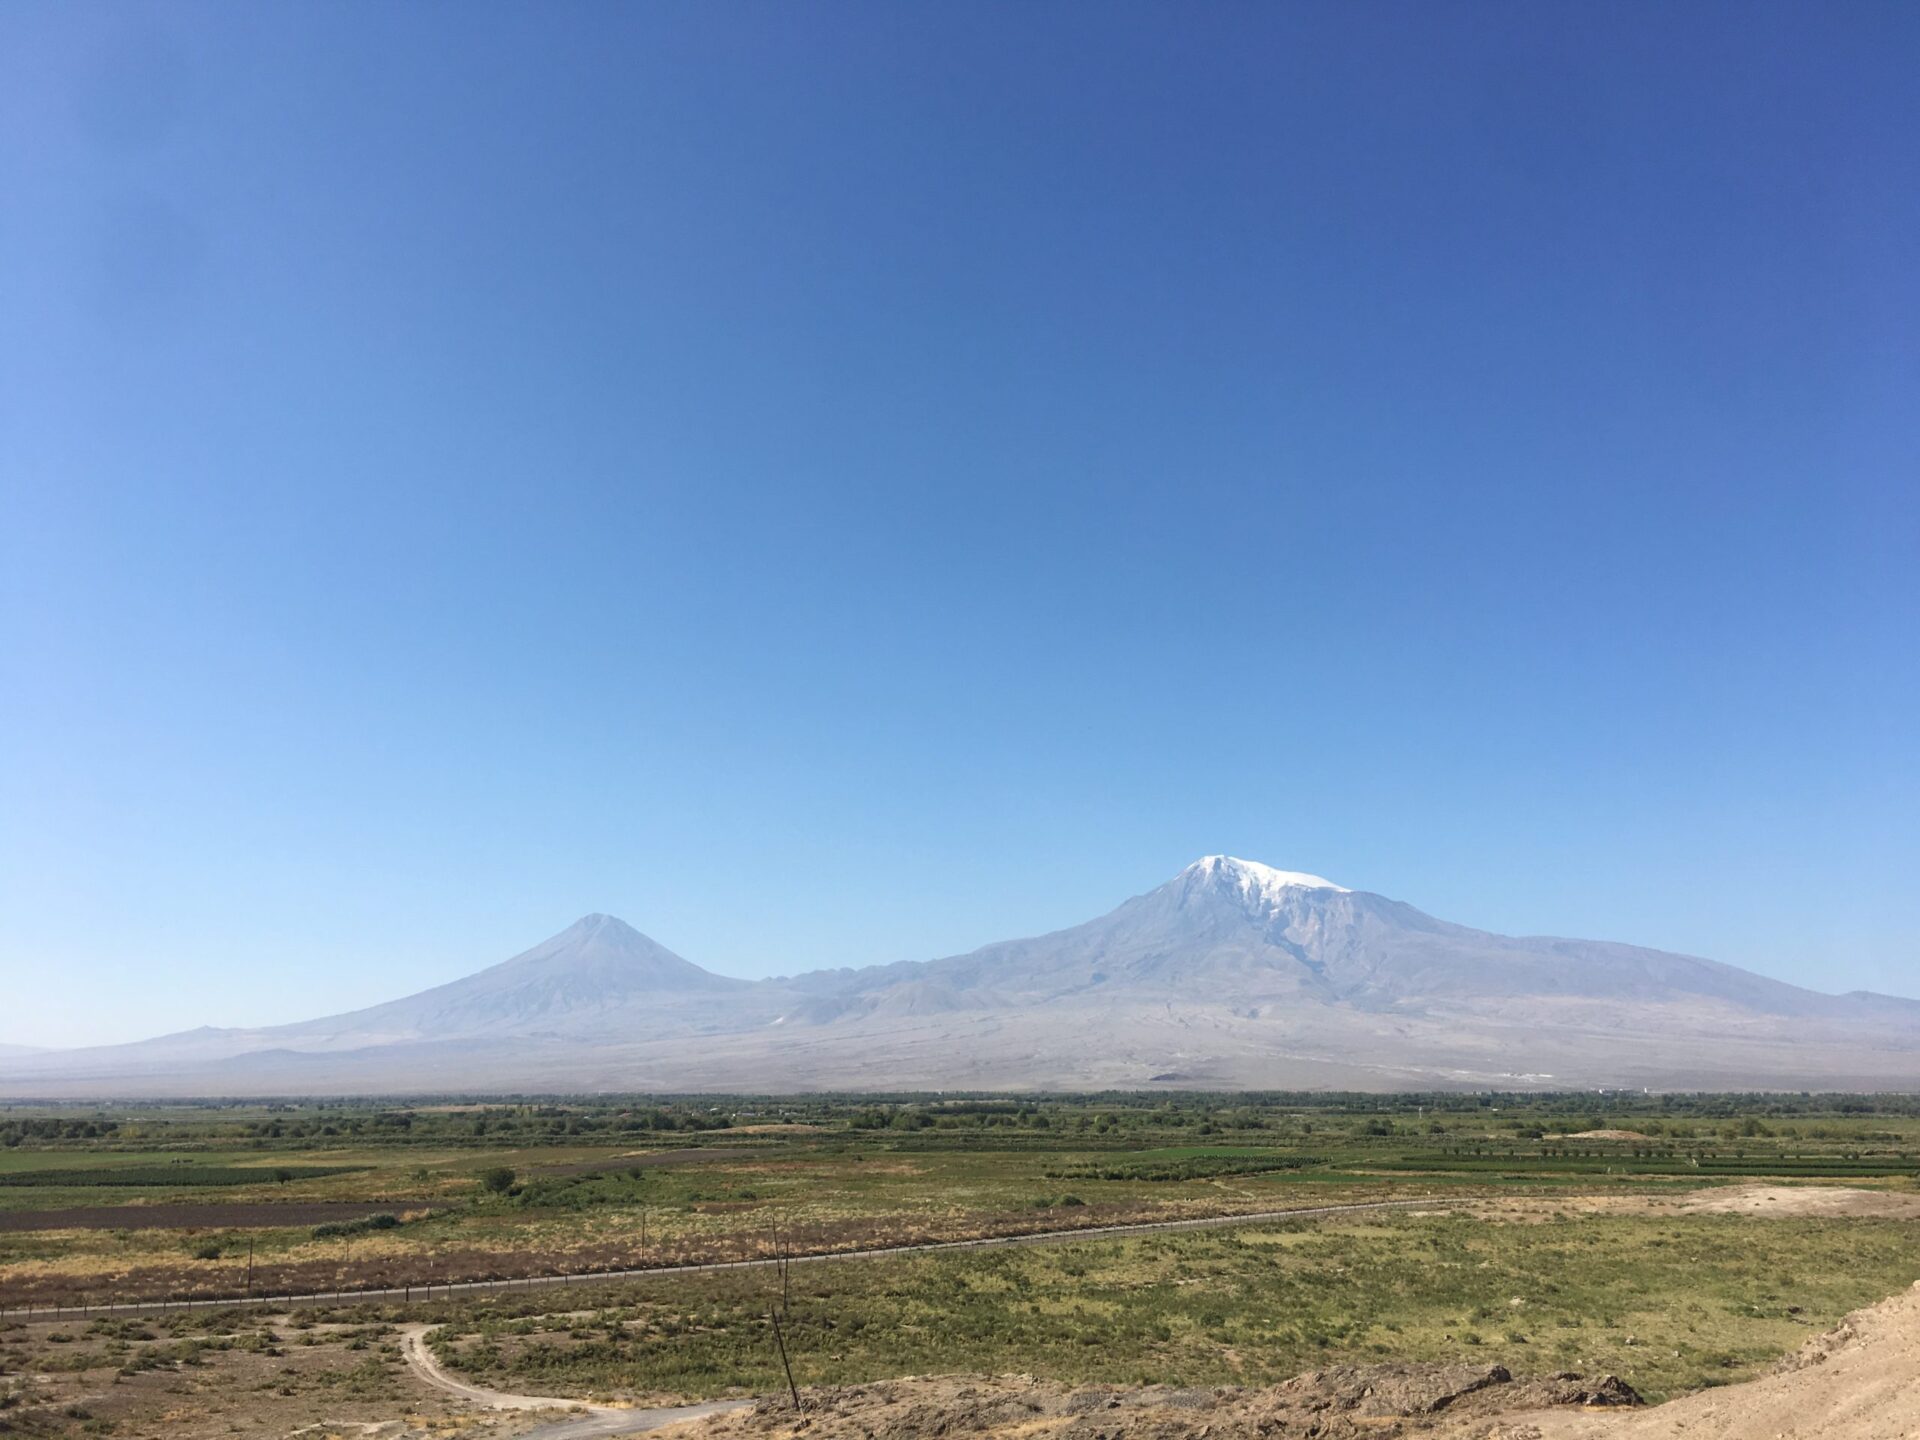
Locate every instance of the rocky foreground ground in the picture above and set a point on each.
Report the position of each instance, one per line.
(1341, 1403)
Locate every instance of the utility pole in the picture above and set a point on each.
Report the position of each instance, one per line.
(773, 1252)
(783, 1259)
(780, 1340)
(250, 1266)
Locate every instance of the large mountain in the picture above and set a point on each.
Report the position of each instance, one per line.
(1230, 975)
(598, 978)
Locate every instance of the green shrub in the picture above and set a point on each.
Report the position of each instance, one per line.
(336, 1229)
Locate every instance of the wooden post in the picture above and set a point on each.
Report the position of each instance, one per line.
(780, 1340)
(780, 1261)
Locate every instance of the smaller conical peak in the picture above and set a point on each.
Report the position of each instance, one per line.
(597, 924)
(599, 933)
(1254, 881)
(607, 943)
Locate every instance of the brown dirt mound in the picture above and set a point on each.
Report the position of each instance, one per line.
(1342, 1403)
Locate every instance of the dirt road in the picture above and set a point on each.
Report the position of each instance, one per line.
(585, 1421)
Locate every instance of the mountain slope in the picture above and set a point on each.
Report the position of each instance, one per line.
(598, 978)
(1243, 932)
(598, 972)
(1231, 975)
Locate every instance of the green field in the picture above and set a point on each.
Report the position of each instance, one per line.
(606, 1184)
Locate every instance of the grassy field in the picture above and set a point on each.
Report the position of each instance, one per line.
(1669, 1301)
(502, 1190)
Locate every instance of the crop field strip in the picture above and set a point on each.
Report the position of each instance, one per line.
(231, 1215)
(168, 1176)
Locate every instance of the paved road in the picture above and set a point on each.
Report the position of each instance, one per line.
(484, 1287)
(585, 1422)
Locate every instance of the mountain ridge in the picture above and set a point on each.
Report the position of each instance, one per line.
(1231, 974)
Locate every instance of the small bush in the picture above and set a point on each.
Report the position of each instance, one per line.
(338, 1229)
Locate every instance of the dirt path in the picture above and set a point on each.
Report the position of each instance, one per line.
(594, 1420)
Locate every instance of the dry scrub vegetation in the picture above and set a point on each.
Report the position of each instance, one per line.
(1671, 1301)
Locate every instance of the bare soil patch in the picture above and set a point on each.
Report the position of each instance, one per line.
(1781, 1201)
(215, 1216)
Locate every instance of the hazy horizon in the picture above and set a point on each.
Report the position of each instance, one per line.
(842, 486)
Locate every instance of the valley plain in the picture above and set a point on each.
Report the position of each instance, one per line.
(1672, 1242)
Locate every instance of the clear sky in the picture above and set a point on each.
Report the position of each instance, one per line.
(839, 483)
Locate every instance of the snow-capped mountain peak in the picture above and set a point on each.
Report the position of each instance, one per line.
(1256, 883)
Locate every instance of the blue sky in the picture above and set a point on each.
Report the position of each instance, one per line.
(843, 483)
